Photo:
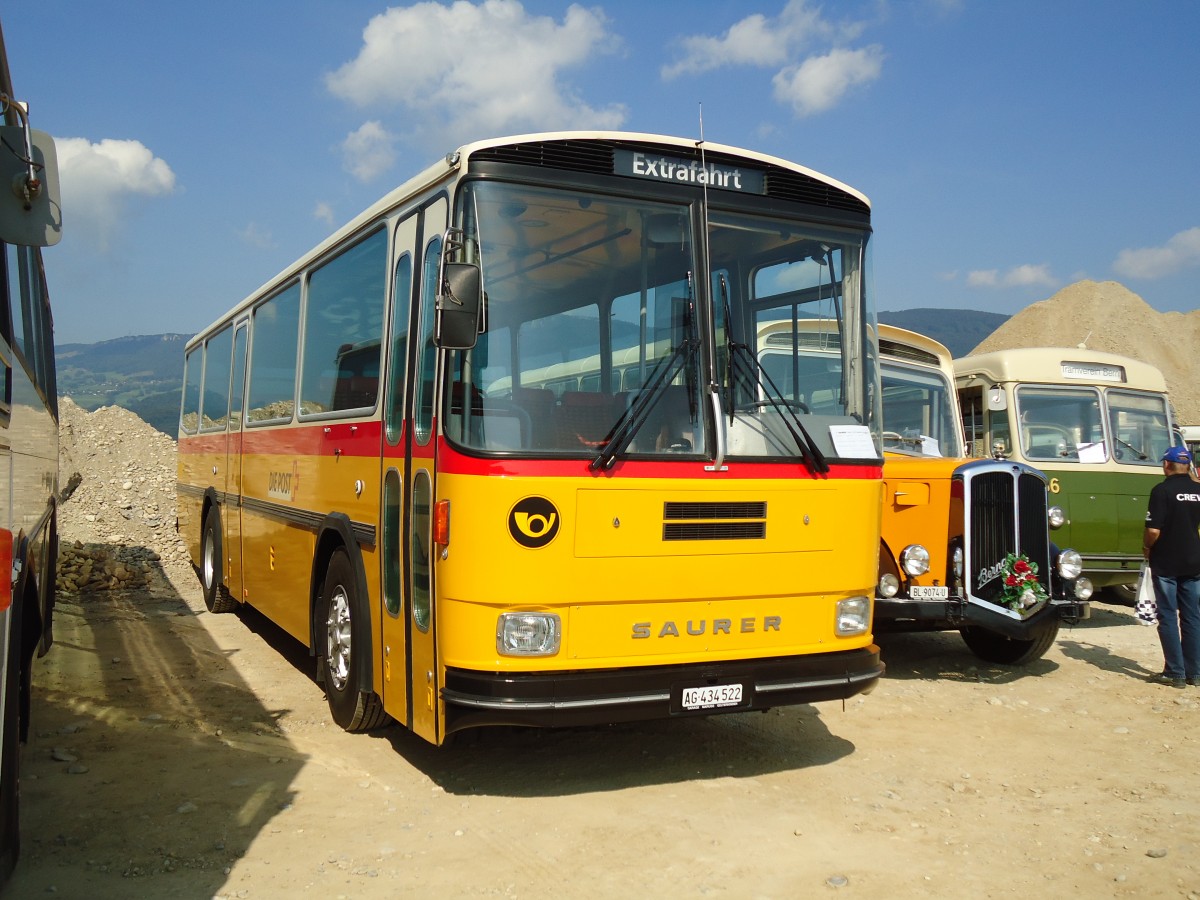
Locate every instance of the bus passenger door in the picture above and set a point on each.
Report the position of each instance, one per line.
(394, 478)
(231, 517)
(424, 680)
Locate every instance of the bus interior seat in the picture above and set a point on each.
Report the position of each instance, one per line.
(539, 403)
(355, 391)
(668, 426)
(584, 419)
(495, 424)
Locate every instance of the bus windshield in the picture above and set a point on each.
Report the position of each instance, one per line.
(598, 337)
(1061, 423)
(919, 411)
(1139, 427)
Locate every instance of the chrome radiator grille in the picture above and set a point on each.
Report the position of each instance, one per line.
(1005, 513)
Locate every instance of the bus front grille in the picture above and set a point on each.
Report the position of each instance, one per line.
(714, 521)
(1006, 513)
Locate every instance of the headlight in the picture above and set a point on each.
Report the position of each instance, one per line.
(853, 615)
(1070, 565)
(1056, 517)
(528, 634)
(889, 586)
(957, 561)
(1083, 588)
(914, 559)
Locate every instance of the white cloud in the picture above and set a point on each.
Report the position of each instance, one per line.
(99, 180)
(1019, 276)
(820, 82)
(323, 213)
(257, 236)
(369, 151)
(809, 85)
(754, 41)
(1182, 251)
(477, 69)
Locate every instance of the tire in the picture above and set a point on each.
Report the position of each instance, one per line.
(216, 596)
(10, 749)
(344, 629)
(996, 648)
(1121, 594)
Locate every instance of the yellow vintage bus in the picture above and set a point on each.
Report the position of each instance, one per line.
(953, 528)
(1096, 423)
(30, 219)
(372, 451)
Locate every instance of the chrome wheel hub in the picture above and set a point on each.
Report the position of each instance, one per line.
(337, 639)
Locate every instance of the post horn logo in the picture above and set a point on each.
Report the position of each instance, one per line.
(533, 522)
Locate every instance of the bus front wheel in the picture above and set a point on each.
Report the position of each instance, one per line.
(996, 648)
(346, 631)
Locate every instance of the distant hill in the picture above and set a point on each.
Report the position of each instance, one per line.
(143, 374)
(960, 330)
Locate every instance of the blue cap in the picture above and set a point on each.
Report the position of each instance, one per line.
(1177, 455)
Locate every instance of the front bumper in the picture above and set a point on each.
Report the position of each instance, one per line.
(602, 696)
(902, 614)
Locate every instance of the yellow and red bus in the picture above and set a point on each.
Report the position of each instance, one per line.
(372, 454)
(30, 219)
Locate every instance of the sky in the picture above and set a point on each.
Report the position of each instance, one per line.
(1009, 148)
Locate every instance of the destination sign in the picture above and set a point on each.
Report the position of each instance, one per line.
(689, 171)
(1092, 371)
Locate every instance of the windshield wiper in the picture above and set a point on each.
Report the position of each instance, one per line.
(743, 361)
(654, 390)
(1140, 454)
(635, 416)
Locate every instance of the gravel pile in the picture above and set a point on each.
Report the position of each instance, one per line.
(117, 516)
(1108, 316)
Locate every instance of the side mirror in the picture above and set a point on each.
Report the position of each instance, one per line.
(30, 207)
(459, 299)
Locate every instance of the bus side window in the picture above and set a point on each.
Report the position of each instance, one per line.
(30, 334)
(275, 328)
(189, 416)
(343, 318)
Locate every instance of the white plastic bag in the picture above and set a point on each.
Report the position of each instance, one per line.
(1146, 607)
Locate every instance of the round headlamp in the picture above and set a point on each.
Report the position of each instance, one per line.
(1070, 564)
(914, 559)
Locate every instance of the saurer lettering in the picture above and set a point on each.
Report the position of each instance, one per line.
(669, 628)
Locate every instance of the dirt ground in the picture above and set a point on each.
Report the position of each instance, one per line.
(180, 754)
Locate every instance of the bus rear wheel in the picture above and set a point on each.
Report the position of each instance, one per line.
(996, 648)
(346, 630)
(216, 596)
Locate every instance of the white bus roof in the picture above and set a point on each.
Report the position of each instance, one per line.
(902, 345)
(457, 159)
(1059, 365)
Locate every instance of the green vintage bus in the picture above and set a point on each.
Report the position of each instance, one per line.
(1095, 423)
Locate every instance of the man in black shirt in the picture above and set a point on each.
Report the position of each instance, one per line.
(1172, 547)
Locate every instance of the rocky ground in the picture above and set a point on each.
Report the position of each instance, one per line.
(178, 754)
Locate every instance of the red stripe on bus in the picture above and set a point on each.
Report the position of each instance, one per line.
(458, 464)
(310, 439)
(6, 585)
(364, 439)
